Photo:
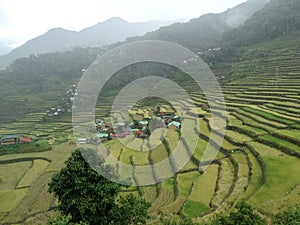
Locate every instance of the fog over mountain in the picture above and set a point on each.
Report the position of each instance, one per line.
(238, 15)
(4, 49)
(197, 34)
(59, 39)
(206, 31)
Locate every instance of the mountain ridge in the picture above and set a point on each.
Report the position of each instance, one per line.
(4, 49)
(197, 34)
(205, 31)
(59, 39)
(55, 69)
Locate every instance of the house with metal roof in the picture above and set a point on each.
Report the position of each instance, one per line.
(144, 123)
(102, 135)
(10, 139)
(174, 125)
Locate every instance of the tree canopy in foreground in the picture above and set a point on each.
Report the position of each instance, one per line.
(89, 198)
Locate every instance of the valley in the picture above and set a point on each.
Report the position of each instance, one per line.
(258, 161)
(253, 51)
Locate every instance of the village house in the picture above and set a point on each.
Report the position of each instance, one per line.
(143, 124)
(25, 140)
(10, 139)
(174, 125)
(103, 136)
(137, 128)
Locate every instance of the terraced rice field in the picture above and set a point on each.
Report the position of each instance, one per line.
(33, 126)
(24, 185)
(258, 161)
(259, 157)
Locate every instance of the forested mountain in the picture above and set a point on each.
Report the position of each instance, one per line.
(59, 39)
(51, 73)
(32, 84)
(206, 31)
(275, 19)
(257, 66)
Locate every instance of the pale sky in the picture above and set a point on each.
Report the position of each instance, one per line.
(21, 20)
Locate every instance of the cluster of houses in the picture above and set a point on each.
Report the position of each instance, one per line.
(140, 129)
(14, 139)
(66, 103)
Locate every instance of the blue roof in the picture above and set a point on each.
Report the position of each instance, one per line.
(10, 136)
(100, 135)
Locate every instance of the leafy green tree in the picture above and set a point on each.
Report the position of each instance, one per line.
(131, 210)
(61, 220)
(288, 217)
(64, 220)
(91, 198)
(243, 215)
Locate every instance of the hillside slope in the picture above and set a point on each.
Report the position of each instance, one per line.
(259, 159)
(51, 73)
(260, 156)
(275, 19)
(206, 31)
(4, 49)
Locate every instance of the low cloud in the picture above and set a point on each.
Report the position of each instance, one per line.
(4, 18)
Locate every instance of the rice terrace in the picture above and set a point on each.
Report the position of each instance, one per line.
(257, 163)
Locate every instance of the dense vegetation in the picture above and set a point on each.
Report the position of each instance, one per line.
(90, 198)
(206, 31)
(96, 202)
(275, 19)
(35, 83)
(259, 157)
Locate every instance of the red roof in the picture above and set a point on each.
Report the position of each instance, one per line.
(25, 139)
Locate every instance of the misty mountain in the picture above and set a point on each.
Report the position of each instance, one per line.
(275, 19)
(206, 31)
(51, 73)
(4, 49)
(59, 39)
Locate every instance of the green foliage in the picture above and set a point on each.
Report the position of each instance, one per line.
(35, 146)
(243, 215)
(200, 33)
(276, 19)
(131, 210)
(141, 70)
(288, 217)
(64, 220)
(29, 84)
(185, 221)
(91, 198)
(206, 31)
